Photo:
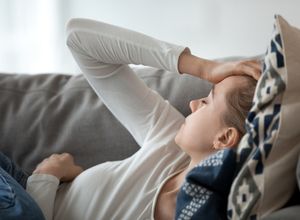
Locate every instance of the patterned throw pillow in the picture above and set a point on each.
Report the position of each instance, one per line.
(268, 153)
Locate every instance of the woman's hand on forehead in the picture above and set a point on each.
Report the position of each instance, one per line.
(217, 71)
(214, 71)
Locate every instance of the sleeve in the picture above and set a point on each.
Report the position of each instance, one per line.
(103, 52)
(42, 188)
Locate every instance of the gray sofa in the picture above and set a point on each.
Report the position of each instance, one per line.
(47, 113)
(53, 113)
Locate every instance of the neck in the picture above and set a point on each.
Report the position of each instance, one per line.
(192, 164)
(181, 176)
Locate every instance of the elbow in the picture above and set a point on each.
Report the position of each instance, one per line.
(74, 30)
(72, 25)
(79, 24)
(71, 28)
(75, 25)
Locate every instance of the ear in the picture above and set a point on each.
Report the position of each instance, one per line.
(226, 138)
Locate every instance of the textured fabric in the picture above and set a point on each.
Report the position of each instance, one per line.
(12, 169)
(124, 189)
(37, 187)
(15, 202)
(206, 188)
(268, 153)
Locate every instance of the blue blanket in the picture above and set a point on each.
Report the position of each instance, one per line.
(206, 188)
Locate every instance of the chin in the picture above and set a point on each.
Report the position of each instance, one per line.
(179, 142)
(178, 137)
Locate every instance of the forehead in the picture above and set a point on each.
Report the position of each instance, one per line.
(228, 84)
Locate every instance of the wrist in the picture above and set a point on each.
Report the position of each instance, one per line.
(207, 70)
(184, 60)
(49, 171)
(194, 65)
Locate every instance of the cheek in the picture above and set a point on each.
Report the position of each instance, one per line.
(196, 134)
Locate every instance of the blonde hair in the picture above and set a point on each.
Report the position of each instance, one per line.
(239, 102)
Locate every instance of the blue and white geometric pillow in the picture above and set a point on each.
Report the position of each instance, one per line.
(206, 188)
(268, 153)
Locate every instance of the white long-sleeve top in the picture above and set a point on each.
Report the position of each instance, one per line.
(126, 189)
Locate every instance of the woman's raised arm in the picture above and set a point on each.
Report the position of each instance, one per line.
(103, 52)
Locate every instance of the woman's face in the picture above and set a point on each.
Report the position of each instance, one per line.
(201, 128)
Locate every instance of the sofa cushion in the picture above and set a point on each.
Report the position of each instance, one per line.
(53, 113)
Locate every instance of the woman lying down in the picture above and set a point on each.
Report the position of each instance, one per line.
(144, 186)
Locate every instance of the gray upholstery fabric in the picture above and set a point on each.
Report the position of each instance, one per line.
(48, 113)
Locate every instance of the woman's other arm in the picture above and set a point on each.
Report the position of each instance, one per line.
(44, 182)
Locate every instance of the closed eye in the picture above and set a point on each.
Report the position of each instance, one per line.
(204, 102)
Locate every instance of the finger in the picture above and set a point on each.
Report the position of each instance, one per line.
(248, 67)
(67, 156)
(44, 161)
(54, 156)
(78, 170)
(254, 64)
(74, 172)
(255, 73)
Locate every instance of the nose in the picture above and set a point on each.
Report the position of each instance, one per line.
(193, 105)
